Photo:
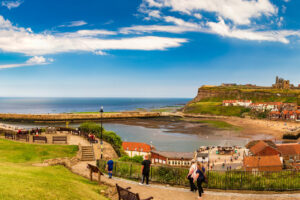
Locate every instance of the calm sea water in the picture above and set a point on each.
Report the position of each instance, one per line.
(66, 105)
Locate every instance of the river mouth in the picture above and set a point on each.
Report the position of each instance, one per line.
(170, 134)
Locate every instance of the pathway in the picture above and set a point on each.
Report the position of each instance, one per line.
(160, 192)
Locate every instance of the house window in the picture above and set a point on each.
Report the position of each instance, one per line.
(156, 160)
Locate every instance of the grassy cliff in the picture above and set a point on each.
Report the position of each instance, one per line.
(209, 99)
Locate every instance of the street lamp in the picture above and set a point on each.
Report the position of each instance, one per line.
(101, 136)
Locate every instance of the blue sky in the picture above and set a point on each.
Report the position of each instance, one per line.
(144, 48)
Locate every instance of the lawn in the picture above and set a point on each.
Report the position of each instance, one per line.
(21, 180)
(17, 152)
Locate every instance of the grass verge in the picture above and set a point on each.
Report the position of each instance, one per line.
(20, 180)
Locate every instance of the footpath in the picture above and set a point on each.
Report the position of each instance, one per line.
(160, 192)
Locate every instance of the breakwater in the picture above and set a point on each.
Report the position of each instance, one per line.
(76, 117)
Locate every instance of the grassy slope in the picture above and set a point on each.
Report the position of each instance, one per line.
(20, 180)
(271, 95)
(215, 108)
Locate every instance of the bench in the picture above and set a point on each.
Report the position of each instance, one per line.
(9, 136)
(92, 141)
(125, 194)
(22, 137)
(39, 138)
(59, 139)
(94, 169)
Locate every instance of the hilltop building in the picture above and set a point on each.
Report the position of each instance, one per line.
(282, 84)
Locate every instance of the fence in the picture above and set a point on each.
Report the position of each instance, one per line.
(225, 180)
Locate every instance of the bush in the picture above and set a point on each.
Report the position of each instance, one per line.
(108, 136)
(135, 159)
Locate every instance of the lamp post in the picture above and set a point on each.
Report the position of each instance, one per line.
(101, 134)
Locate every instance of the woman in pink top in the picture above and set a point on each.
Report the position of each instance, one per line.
(191, 175)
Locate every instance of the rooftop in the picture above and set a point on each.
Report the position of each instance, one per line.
(289, 149)
(262, 161)
(136, 146)
(175, 155)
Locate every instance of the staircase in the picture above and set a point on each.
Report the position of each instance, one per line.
(87, 153)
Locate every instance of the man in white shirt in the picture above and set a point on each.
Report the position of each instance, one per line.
(191, 175)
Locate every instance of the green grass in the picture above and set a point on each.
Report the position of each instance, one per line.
(17, 152)
(21, 180)
(215, 108)
(220, 124)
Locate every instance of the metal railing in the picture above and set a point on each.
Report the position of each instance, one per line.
(225, 180)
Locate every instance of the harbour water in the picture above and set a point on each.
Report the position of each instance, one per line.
(163, 139)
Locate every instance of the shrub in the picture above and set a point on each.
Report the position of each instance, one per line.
(108, 136)
(135, 159)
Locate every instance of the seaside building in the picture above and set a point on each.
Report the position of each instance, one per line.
(137, 149)
(289, 152)
(262, 148)
(180, 159)
(202, 157)
(243, 103)
(262, 163)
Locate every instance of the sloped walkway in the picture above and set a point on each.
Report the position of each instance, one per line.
(160, 192)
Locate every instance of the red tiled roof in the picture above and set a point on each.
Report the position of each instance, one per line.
(136, 146)
(289, 149)
(259, 146)
(262, 161)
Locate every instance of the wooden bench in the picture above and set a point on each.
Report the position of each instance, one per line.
(125, 194)
(39, 138)
(22, 137)
(94, 169)
(9, 136)
(59, 139)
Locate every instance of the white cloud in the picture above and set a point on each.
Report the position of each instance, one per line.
(179, 26)
(21, 40)
(238, 11)
(247, 34)
(11, 4)
(74, 24)
(36, 60)
(89, 33)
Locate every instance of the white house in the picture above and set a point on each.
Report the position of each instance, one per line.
(136, 149)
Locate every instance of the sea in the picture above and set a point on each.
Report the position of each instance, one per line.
(71, 105)
(161, 138)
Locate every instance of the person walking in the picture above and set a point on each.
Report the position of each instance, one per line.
(191, 175)
(146, 164)
(200, 178)
(110, 167)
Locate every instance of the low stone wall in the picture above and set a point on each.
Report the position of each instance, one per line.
(67, 162)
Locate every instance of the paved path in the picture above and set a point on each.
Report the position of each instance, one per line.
(160, 192)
